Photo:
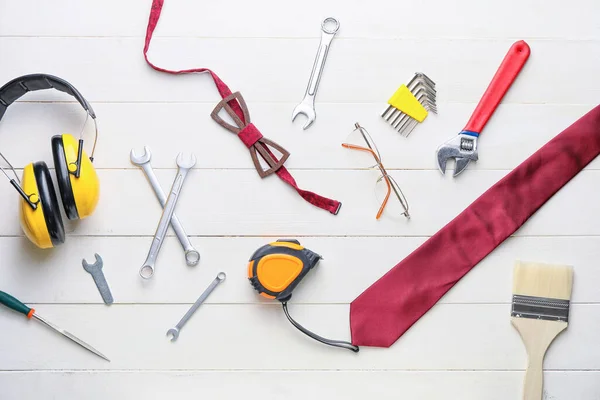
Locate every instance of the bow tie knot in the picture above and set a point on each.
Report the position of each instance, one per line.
(250, 135)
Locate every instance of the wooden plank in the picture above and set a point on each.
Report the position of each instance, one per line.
(294, 385)
(258, 337)
(280, 67)
(269, 18)
(516, 132)
(57, 276)
(239, 203)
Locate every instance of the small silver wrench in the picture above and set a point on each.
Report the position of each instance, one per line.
(174, 332)
(192, 257)
(184, 165)
(95, 270)
(307, 105)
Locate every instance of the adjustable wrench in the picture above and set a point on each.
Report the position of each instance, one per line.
(463, 147)
(192, 257)
(307, 105)
(184, 165)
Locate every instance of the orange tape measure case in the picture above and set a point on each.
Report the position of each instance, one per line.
(277, 268)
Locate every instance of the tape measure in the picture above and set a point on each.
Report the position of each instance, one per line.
(277, 268)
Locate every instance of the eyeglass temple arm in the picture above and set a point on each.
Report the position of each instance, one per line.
(368, 150)
(383, 172)
(387, 197)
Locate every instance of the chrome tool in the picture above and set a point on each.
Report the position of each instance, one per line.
(307, 105)
(184, 165)
(95, 270)
(14, 304)
(174, 332)
(192, 257)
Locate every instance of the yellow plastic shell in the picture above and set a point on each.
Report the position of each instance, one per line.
(276, 271)
(406, 102)
(289, 245)
(86, 188)
(33, 221)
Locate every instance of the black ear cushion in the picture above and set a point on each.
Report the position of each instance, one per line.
(63, 179)
(49, 203)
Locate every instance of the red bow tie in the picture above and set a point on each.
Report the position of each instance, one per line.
(236, 107)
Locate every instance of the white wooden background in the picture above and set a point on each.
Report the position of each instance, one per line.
(237, 344)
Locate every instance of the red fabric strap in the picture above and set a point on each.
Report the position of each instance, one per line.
(333, 206)
(250, 135)
(387, 309)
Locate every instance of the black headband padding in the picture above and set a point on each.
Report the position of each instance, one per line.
(49, 203)
(63, 177)
(16, 88)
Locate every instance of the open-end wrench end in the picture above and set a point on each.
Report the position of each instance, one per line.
(307, 111)
(186, 163)
(140, 160)
(90, 267)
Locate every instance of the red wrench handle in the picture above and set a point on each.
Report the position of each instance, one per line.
(507, 73)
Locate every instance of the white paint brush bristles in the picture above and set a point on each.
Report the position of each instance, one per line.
(543, 280)
(540, 311)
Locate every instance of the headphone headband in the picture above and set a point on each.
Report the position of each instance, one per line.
(18, 87)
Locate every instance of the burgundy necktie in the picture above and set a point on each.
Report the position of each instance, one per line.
(389, 307)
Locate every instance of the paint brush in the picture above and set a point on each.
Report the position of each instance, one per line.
(540, 311)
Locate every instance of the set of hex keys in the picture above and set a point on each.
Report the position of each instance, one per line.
(410, 104)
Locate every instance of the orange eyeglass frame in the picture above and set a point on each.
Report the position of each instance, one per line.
(383, 172)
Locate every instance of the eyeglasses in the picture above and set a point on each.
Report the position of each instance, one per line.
(385, 184)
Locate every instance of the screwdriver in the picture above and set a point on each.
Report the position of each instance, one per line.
(14, 304)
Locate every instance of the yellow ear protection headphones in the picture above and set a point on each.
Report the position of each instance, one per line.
(77, 180)
(276, 269)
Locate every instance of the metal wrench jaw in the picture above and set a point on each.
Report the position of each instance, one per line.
(140, 160)
(174, 333)
(92, 267)
(186, 163)
(306, 108)
(462, 147)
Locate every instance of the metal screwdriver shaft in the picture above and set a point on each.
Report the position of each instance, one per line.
(14, 304)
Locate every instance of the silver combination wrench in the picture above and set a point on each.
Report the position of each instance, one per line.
(184, 165)
(192, 257)
(174, 332)
(307, 105)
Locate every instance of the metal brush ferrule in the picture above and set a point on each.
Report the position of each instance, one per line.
(540, 308)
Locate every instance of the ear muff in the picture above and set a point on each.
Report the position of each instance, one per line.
(79, 195)
(43, 226)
